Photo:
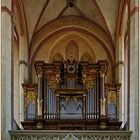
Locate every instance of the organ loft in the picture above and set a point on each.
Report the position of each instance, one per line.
(71, 95)
(69, 70)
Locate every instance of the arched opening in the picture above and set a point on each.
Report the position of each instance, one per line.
(57, 58)
(72, 50)
(87, 58)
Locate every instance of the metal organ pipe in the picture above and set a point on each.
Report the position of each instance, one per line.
(49, 104)
(45, 97)
(97, 99)
(52, 100)
(91, 103)
(88, 105)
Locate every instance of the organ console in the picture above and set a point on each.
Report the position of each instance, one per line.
(71, 95)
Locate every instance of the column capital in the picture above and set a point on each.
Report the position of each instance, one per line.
(23, 62)
(103, 67)
(39, 67)
(39, 72)
(102, 75)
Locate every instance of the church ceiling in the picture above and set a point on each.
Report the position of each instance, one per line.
(109, 10)
(39, 12)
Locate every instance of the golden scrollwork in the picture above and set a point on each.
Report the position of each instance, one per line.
(112, 97)
(53, 80)
(52, 84)
(31, 97)
(57, 77)
(89, 81)
(89, 84)
(84, 77)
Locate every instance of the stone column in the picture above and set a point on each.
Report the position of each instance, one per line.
(134, 69)
(102, 95)
(120, 77)
(103, 117)
(40, 96)
(6, 70)
(103, 70)
(39, 118)
(23, 73)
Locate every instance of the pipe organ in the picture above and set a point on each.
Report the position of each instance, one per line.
(71, 95)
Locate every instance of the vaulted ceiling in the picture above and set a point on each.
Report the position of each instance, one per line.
(39, 12)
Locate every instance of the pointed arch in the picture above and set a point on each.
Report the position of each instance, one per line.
(57, 57)
(72, 50)
(86, 57)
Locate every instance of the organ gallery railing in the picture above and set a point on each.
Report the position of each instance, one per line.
(70, 135)
(71, 95)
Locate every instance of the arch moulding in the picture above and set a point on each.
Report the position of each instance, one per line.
(66, 24)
